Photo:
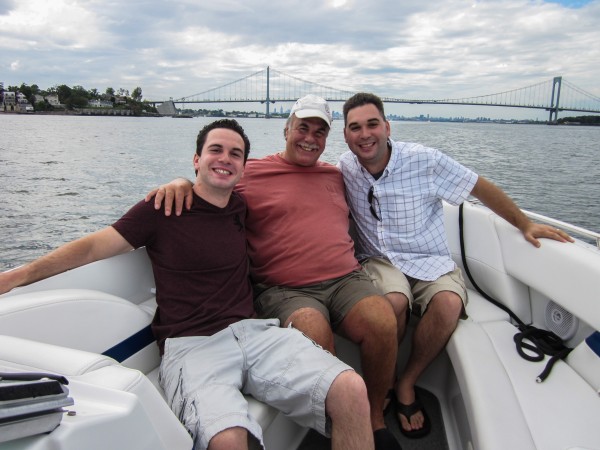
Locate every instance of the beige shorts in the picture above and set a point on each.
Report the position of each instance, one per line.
(387, 278)
(333, 298)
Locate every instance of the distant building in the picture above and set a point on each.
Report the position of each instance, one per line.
(22, 104)
(53, 100)
(9, 101)
(10, 98)
(100, 104)
(166, 108)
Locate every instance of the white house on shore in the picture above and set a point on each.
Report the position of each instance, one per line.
(100, 104)
(16, 102)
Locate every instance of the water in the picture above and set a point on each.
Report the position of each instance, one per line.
(63, 176)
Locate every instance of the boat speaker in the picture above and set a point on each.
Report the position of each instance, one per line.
(560, 321)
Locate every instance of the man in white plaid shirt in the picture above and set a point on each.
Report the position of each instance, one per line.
(395, 192)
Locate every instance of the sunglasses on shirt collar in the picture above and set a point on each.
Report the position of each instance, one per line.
(370, 198)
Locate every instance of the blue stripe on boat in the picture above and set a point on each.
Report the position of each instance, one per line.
(593, 340)
(131, 345)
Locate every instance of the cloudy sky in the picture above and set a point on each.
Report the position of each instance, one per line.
(407, 49)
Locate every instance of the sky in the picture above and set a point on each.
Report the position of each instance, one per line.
(403, 49)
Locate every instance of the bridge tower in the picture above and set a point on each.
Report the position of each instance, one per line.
(268, 114)
(555, 96)
(268, 97)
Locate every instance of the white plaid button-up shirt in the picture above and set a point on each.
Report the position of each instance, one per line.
(408, 199)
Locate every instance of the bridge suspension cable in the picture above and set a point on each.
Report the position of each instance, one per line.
(252, 88)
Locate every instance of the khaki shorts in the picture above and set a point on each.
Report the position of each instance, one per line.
(387, 278)
(333, 298)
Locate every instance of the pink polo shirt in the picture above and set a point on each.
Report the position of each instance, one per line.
(297, 223)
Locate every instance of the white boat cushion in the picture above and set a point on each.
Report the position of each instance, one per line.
(506, 407)
(507, 267)
(485, 257)
(481, 310)
(23, 355)
(76, 318)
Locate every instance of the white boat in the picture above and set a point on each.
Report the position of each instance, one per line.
(91, 326)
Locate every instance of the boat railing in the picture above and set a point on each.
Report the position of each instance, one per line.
(565, 226)
(592, 236)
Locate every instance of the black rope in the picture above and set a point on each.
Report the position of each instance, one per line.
(543, 342)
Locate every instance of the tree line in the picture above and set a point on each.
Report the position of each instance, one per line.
(580, 120)
(79, 97)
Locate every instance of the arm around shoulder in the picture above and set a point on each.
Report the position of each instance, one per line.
(178, 192)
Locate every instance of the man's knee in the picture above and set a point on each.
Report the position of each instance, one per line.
(399, 304)
(372, 316)
(314, 325)
(307, 315)
(235, 437)
(348, 392)
(446, 305)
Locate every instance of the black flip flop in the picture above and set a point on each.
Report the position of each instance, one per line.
(408, 411)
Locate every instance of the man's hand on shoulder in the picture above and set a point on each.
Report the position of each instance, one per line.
(177, 192)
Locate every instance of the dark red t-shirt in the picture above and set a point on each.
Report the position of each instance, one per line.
(200, 265)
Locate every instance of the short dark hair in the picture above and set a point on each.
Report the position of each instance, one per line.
(229, 124)
(361, 99)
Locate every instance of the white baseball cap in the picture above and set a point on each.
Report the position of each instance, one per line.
(312, 106)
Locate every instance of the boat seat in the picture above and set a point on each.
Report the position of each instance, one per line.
(88, 323)
(505, 406)
(486, 263)
(83, 319)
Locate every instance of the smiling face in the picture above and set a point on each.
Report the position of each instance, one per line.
(366, 133)
(305, 140)
(220, 165)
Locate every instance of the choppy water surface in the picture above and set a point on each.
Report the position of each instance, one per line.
(62, 176)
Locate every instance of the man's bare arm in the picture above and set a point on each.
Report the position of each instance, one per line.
(494, 198)
(93, 247)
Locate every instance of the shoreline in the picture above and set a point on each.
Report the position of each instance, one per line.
(86, 112)
(89, 112)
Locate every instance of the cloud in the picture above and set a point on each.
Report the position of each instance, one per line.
(411, 49)
(6, 6)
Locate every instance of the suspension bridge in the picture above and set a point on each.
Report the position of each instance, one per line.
(269, 85)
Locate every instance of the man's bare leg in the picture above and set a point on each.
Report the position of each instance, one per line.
(372, 325)
(400, 306)
(348, 407)
(430, 337)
